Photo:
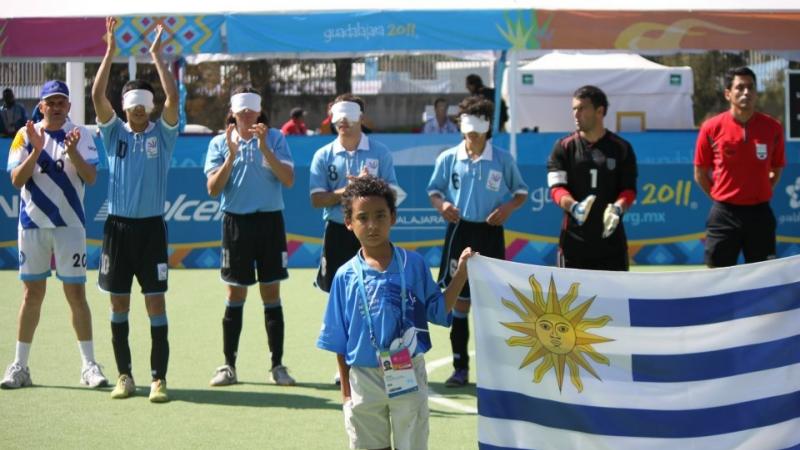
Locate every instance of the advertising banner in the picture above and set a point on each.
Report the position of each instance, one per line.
(665, 226)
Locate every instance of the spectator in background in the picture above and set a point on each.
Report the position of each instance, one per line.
(12, 114)
(440, 123)
(36, 114)
(326, 126)
(475, 87)
(296, 124)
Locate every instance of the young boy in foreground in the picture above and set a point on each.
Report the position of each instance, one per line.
(376, 322)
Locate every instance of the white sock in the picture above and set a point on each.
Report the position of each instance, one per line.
(87, 351)
(23, 352)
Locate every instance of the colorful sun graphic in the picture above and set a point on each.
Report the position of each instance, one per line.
(555, 333)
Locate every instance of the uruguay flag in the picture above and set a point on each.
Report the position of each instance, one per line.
(574, 359)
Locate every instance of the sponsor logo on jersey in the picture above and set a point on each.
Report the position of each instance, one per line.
(761, 151)
(151, 147)
(372, 166)
(494, 181)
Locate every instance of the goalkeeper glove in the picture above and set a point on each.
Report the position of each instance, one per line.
(580, 210)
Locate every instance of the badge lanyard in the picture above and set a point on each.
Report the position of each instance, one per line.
(365, 304)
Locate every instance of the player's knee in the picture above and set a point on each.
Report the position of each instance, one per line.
(33, 294)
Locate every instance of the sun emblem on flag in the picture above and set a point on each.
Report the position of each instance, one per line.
(555, 333)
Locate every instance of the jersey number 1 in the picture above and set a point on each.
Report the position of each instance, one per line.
(593, 174)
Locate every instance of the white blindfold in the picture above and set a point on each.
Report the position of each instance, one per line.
(471, 123)
(345, 110)
(138, 97)
(247, 100)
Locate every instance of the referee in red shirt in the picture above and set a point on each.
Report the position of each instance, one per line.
(738, 160)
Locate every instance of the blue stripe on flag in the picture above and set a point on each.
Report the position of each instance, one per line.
(717, 363)
(639, 422)
(484, 446)
(61, 179)
(714, 308)
(44, 204)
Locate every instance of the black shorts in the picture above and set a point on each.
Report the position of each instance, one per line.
(338, 245)
(488, 240)
(253, 243)
(618, 262)
(731, 229)
(134, 247)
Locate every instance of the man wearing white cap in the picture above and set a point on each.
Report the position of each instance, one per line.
(249, 165)
(350, 155)
(50, 162)
(135, 234)
(475, 186)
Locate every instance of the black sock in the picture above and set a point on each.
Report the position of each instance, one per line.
(273, 320)
(159, 351)
(231, 330)
(122, 351)
(459, 336)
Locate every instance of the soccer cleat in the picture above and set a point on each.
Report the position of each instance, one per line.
(16, 377)
(337, 380)
(459, 378)
(281, 377)
(158, 391)
(225, 376)
(92, 376)
(125, 387)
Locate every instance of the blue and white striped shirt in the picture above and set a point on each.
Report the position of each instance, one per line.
(53, 196)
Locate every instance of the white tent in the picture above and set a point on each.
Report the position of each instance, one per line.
(642, 94)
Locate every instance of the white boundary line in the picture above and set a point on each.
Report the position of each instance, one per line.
(435, 397)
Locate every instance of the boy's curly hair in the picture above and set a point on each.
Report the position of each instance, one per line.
(367, 186)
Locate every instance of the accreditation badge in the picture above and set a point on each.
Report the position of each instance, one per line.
(761, 151)
(398, 369)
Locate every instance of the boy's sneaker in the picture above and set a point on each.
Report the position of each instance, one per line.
(281, 377)
(459, 378)
(158, 391)
(92, 376)
(225, 376)
(125, 387)
(16, 377)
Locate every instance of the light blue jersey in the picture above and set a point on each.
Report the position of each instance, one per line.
(344, 330)
(137, 167)
(476, 187)
(252, 186)
(332, 164)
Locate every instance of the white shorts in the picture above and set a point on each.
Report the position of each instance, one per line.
(38, 246)
(373, 420)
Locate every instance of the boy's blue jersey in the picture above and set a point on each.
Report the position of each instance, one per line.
(476, 187)
(332, 164)
(137, 167)
(252, 186)
(344, 330)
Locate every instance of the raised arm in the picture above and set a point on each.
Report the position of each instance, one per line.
(170, 113)
(102, 106)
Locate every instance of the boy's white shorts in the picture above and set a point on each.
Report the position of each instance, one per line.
(38, 246)
(373, 420)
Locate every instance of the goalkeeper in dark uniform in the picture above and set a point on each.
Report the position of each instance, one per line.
(592, 176)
